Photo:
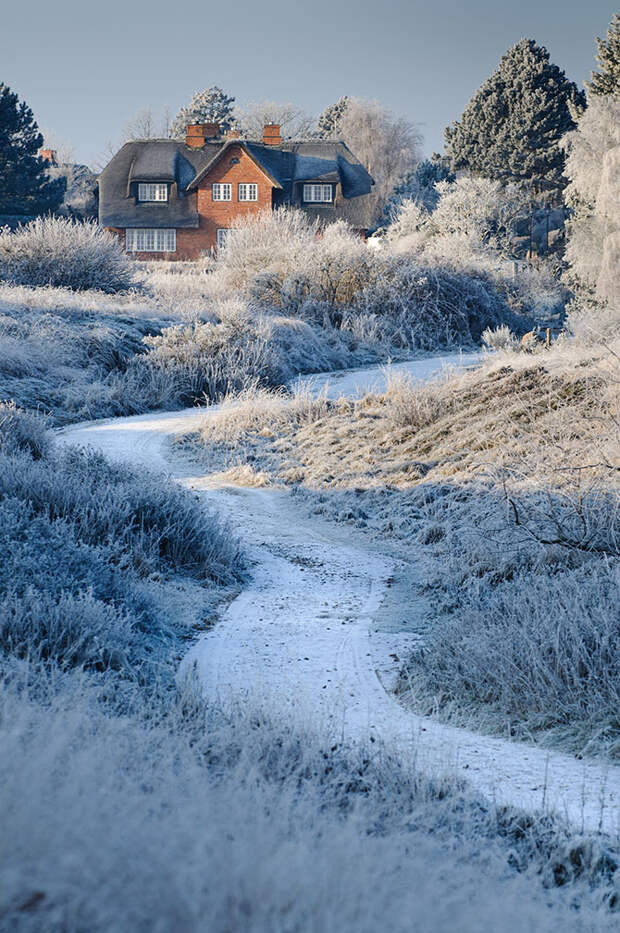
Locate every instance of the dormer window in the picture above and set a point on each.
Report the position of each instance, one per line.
(153, 192)
(318, 194)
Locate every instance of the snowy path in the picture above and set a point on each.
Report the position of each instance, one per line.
(300, 634)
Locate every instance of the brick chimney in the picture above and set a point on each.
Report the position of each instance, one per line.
(196, 134)
(49, 156)
(233, 134)
(271, 134)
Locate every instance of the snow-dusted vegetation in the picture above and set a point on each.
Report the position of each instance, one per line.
(180, 815)
(379, 688)
(85, 543)
(503, 482)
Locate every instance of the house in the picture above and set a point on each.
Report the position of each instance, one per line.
(176, 199)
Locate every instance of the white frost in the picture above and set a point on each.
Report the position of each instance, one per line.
(301, 633)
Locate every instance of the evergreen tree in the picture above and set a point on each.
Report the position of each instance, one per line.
(511, 128)
(327, 123)
(25, 186)
(209, 106)
(607, 81)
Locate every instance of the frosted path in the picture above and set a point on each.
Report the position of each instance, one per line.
(300, 634)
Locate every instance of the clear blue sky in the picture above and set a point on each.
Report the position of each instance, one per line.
(86, 68)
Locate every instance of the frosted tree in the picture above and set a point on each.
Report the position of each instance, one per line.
(512, 127)
(327, 124)
(25, 185)
(294, 122)
(606, 81)
(209, 106)
(387, 145)
(593, 193)
(419, 186)
(483, 210)
(470, 210)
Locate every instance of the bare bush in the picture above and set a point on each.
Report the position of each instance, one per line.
(64, 253)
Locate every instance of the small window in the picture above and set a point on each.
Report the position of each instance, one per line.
(248, 192)
(222, 192)
(150, 241)
(152, 192)
(222, 236)
(318, 194)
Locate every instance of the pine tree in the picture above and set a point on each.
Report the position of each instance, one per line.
(25, 186)
(327, 123)
(209, 106)
(607, 81)
(511, 128)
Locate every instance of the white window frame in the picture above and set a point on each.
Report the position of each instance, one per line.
(248, 191)
(221, 235)
(221, 191)
(315, 193)
(150, 240)
(152, 191)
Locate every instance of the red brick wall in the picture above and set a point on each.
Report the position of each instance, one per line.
(220, 214)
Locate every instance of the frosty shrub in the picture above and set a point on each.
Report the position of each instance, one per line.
(499, 338)
(333, 281)
(593, 325)
(205, 361)
(268, 243)
(71, 254)
(153, 523)
(243, 347)
(22, 431)
(408, 305)
(470, 230)
(535, 653)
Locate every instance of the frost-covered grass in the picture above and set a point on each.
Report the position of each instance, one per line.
(87, 546)
(67, 354)
(181, 817)
(502, 484)
(81, 356)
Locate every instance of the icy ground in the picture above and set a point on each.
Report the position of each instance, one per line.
(303, 633)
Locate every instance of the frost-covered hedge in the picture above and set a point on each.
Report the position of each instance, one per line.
(66, 253)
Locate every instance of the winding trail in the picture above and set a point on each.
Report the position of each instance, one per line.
(302, 634)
